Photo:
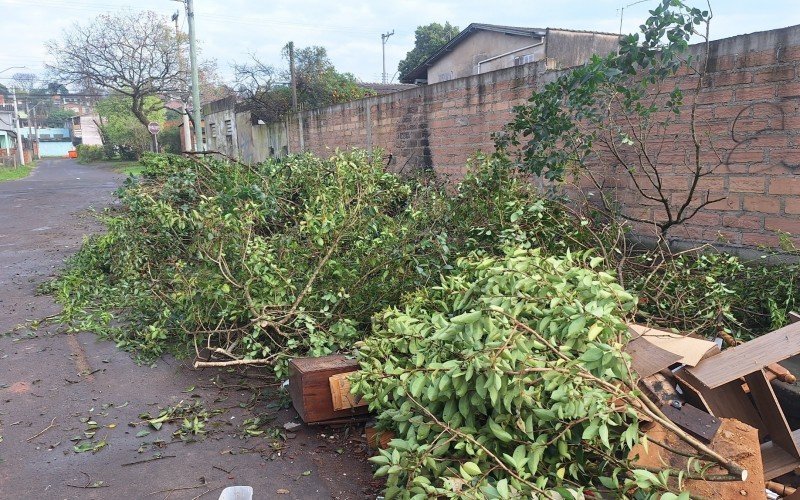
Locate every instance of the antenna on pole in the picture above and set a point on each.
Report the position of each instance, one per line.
(384, 37)
(622, 12)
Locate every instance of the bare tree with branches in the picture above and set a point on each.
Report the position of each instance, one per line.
(135, 54)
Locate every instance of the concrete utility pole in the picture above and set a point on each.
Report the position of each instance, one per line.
(198, 117)
(384, 37)
(20, 152)
(187, 128)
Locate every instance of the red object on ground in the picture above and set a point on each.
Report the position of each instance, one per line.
(72, 153)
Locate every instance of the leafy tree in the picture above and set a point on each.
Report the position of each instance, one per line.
(4, 90)
(121, 129)
(57, 117)
(614, 108)
(318, 83)
(428, 39)
(133, 54)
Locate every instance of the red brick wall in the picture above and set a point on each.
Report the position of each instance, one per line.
(748, 115)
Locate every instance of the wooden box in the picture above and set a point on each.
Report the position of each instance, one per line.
(310, 388)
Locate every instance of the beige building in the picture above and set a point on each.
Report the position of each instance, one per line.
(487, 47)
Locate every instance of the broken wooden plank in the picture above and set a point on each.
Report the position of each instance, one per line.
(696, 422)
(776, 460)
(771, 413)
(781, 373)
(310, 388)
(647, 358)
(794, 317)
(736, 362)
(727, 400)
(340, 392)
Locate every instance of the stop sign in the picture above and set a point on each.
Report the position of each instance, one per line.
(153, 127)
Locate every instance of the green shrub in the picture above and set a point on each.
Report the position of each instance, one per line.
(482, 379)
(90, 154)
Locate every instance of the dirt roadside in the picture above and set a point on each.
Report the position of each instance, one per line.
(52, 385)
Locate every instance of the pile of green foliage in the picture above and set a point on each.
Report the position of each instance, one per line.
(477, 308)
(254, 263)
(497, 381)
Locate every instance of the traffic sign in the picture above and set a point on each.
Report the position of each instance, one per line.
(153, 127)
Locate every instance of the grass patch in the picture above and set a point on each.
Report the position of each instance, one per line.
(127, 167)
(14, 173)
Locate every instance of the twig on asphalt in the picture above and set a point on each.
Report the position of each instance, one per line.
(160, 457)
(206, 492)
(223, 470)
(89, 485)
(52, 424)
(180, 488)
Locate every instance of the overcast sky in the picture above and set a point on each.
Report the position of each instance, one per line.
(229, 30)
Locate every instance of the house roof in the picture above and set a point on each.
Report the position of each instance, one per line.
(421, 71)
(386, 88)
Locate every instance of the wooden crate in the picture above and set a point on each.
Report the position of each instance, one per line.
(310, 389)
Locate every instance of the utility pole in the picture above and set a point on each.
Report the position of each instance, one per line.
(198, 117)
(187, 128)
(384, 37)
(290, 46)
(30, 128)
(19, 133)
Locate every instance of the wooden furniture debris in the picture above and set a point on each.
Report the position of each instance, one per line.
(340, 392)
(310, 388)
(705, 389)
(719, 380)
(780, 489)
(696, 422)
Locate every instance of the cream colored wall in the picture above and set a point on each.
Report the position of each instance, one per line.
(480, 45)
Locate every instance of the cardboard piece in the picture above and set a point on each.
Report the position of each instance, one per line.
(690, 350)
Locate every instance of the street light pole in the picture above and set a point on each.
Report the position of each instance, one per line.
(198, 117)
(384, 37)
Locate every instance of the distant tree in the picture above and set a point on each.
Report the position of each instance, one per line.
(57, 117)
(4, 90)
(55, 88)
(428, 39)
(133, 54)
(212, 85)
(318, 83)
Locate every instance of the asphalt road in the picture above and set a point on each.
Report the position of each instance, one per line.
(51, 383)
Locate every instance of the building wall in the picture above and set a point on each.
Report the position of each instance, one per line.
(481, 45)
(219, 121)
(748, 110)
(572, 48)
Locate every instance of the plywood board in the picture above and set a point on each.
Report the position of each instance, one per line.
(690, 349)
(697, 423)
(340, 392)
(647, 359)
(771, 413)
(736, 362)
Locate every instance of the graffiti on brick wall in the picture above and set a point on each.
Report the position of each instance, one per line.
(753, 127)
